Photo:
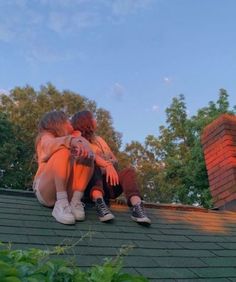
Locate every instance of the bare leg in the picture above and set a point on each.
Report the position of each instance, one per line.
(96, 194)
(55, 176)
(79, 179)
(134, 200)
(78, 182)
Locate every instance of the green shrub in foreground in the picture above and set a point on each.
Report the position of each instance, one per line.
(35, 265)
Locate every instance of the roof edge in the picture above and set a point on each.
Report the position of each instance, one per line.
(163, 206)
(115, 202)
(16, 192)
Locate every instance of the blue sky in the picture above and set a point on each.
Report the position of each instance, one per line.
(130, 56)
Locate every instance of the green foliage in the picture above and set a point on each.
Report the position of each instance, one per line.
(106, 129)
(20, 114)
(171, 167)
(35, 265)
(15, 165)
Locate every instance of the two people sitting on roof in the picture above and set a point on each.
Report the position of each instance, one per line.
(75, 162)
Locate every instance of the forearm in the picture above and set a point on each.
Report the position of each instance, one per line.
(101, 162)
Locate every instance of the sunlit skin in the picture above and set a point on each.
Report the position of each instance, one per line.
(68, 129)
(94, 122)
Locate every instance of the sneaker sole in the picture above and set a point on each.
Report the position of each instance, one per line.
(81, 218)
(107, 217)
(63, 221)
(144, 221)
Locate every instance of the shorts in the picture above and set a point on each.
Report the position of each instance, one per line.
(37, 192)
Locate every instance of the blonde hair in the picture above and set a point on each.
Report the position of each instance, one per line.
(52, 122)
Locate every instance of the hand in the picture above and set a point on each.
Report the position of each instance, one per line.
(111, 175)
(82, 148)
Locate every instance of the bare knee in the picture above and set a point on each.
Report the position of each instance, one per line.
(45, 198)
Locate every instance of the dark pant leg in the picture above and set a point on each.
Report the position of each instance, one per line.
(96, 182)
(111, 192)
(128, 184)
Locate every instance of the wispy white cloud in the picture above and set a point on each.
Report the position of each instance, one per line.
(8, 27)
(18, 21)
(118, 91)
(61, 16)
(125, 7)
(85, 19)
(58, 21)
(167, 80)
(62, 3)
(155, 108)
(13, 3)
(25, 19)
(45, 54)
(61, 22)
(25, 22)
(5, 34)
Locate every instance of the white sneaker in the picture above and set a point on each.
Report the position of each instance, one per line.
(62, 212)
(77, 208)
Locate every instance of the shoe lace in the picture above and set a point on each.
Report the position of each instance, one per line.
(79, 204)
(67, 208)
(138, 209)
(102, 208)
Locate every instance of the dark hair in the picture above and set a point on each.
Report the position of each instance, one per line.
(83, 121)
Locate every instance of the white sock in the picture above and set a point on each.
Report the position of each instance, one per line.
(62, 196)
(77, 196)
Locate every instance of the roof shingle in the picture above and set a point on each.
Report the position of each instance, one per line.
(181, 245)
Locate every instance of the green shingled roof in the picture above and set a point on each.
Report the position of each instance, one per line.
(181, 245)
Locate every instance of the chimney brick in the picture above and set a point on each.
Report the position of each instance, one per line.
(219, 145)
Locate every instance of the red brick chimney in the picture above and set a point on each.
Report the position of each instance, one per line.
(219, 146)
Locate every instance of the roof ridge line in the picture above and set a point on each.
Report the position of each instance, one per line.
(163, 206)
(17, 192)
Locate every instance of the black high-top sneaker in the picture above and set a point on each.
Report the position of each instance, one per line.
(103, 212)
(139, 215)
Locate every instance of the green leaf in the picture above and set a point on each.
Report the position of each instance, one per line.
(11, 279)
(7, 269)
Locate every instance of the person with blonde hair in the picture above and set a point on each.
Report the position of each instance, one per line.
(65, 167)
(114, 181)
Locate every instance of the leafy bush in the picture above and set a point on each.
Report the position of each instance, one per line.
(35, 265)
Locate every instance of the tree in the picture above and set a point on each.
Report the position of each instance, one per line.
(172, 164)
(21, 111)
(106, 130)
(15, 169)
